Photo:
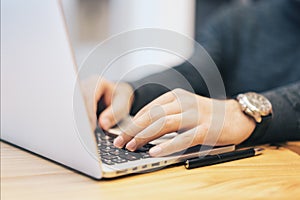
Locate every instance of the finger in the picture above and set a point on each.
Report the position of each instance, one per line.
(180, 142)
(162, 126)
(119, 98)
(161, 100)
(167, 124)
(139, 124)
(113, 113)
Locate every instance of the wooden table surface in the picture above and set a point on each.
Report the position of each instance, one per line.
(273, 175)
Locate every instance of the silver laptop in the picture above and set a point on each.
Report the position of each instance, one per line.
(38, 81)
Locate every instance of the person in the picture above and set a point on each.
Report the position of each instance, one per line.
(256, 48)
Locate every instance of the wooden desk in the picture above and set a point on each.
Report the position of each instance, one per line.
(273, 175)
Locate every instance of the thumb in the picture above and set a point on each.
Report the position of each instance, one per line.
(113, 113)
(106, 118)
(119, 106)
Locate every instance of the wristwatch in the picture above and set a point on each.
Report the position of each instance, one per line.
(260, 109)
(255, 105)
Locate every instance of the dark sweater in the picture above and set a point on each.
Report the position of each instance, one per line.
(256, 48)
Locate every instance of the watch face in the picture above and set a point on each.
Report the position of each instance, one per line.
(260, 102)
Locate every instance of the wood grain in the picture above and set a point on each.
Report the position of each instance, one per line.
(273, 175)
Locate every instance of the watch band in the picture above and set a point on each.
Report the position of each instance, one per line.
(258, 132)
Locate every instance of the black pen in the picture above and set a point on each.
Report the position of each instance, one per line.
(220, 158)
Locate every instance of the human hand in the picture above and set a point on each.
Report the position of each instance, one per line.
(200, 119)
(117, 97)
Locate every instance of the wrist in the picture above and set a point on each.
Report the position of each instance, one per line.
(241, 123)
(259, 108)
(236, 108)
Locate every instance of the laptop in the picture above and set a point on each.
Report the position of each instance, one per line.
(38, 94)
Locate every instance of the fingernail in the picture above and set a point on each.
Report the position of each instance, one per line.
(154, 151)
(119, 142)
(105, 123)
(131, 146)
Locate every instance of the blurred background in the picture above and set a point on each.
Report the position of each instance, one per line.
(92, 21)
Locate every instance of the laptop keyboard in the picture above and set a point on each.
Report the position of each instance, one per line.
(112, 155)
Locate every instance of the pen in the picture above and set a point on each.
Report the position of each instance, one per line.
(220, 158)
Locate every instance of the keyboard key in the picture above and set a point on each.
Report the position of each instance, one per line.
(116, 152)
(119, 160)
(138, 155)
(109, 162)
(104, 137)
(104, 153)
(111, 155)
(145, 155)
(129, 157)
(105, 149)
(107, 144)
